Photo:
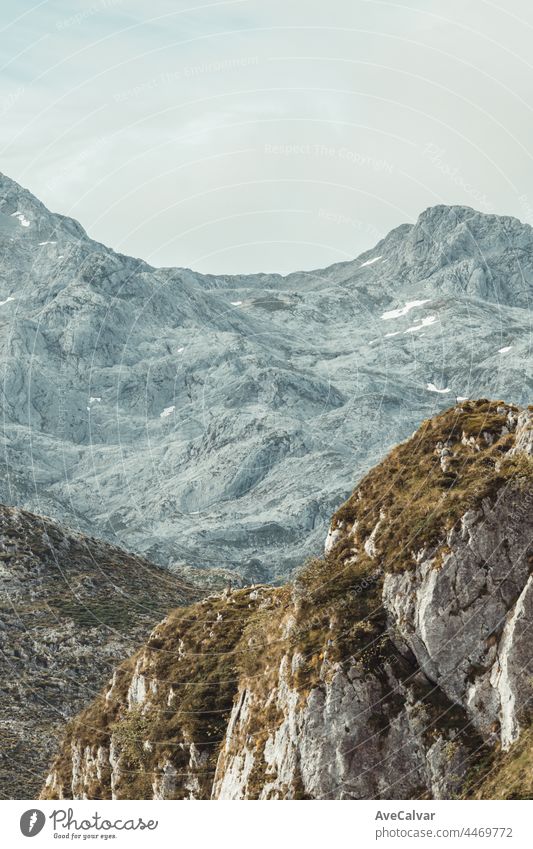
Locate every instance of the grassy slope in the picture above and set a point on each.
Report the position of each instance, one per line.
(71, 608)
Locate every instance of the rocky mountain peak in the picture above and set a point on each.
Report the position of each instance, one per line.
(190, 417)
(446, 216)
(441, 221)
(32, 219)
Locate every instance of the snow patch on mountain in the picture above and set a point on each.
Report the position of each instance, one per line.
(398, 313)
(23, 221)
(424, 322)
(167, 412)
(432, 388)
(370, 262)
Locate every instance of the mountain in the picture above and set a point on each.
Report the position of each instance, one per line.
(71, 608)
(219, 421)
(398, 666)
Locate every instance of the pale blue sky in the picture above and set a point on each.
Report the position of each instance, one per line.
(265, 135)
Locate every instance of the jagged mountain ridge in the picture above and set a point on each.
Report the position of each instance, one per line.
(71, 608)
(397, 667)
(220, 420)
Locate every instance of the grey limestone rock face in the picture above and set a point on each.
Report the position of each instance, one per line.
(465, 621)
(329, 746)
(220, 420)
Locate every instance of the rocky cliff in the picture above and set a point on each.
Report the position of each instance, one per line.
(397, 666)
(205, 419)
(71, 608)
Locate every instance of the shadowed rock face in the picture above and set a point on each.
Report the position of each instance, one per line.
(71, 607)
(220, 420)
(399, 666)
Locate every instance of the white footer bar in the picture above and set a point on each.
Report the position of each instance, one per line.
(273, 825)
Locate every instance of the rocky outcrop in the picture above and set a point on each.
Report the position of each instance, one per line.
(71, 608)
(464, 620)
(155, 730)
(399, 666)
(348, 738)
